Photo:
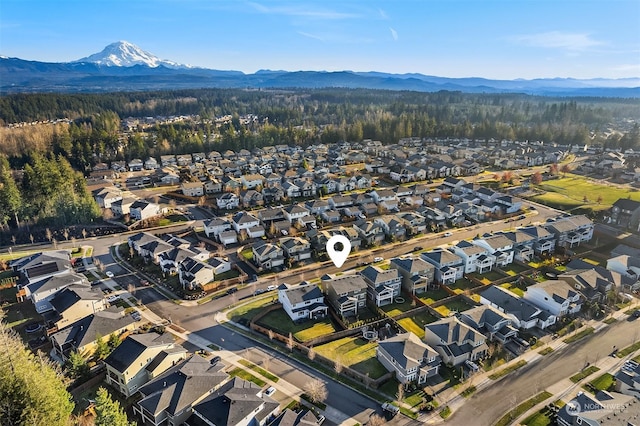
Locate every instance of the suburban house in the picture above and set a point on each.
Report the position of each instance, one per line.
(296, 248)
(227, 201)
(384, 285)
(107, 196)
(244, 221)
(295, 212)
(494, 324)
(129, 365)
(214, 227)
(170, 260)
(81, 335)
(475, 257)
(603, 408)
(302, 302)
(571, 231)
(42, 291)
(220, 265)
(369, 231)
(556, 297)
(192, 189)
(626, 213)
(594, 283)
(122, 207)
(142, 210)
(410, 358)
(74, 303)
(455, 341)
(267, 255)
(252, 181)
(628, 379)
(499, 246)
(417, 275)
(522, 245)
(627, 266)
(237, 402)
(228, 237)
(544, 241)
(43, 264)
(449, 267)
(168, 399)
(347, 293)
(194, 274)
(523, 314)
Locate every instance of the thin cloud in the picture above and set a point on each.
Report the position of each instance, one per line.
(627, 67)
(383, 14)
(394, 34)
(575, 42)
(304, 12)
(309, 35)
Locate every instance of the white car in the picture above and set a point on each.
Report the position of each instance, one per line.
(448, 234)
(272, 287)
(270, 391)
(378, 259)
(113, 298)
(109, 274)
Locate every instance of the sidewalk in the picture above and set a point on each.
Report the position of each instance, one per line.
(230, 358)
(453, 399)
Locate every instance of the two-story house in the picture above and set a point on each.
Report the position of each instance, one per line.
(243, 221)
(449, 267)
(522, 245)
(347, 294)
(192, 189)
(296, 248)
(267, 255)
(44, 288)
(302, 302)
(410, 358)
(417, 275)
(370, 232)
(455, 341)
(214, 227)
(499, 246)
(194, 274)
(475, 257)
(142, 210)
(384, 285)
(127, 366)
(295, 212)
(544, 242)
(228, 201)
(555, 296)
(523, 314)
(74, 303)
(491, 322)
(571, 231)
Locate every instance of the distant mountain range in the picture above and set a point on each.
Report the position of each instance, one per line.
(122, 66)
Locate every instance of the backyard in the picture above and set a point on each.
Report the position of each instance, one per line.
(355, 353)
(463, 284)
(488, 277)
(395, 309)
(515, 288)
(431, 296)
(515, 269)
(415, 324)
(280, 322)
(457, 305)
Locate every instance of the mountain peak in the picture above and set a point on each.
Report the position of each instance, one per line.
(125, 54)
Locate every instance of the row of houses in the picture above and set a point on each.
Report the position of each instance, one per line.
(123, 203)
(193, 265)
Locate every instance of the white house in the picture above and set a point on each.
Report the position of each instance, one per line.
(409, 357)
(302, 302)
(244, 220)
(192, 189)
(523, 313)
(228, 201)
(216, 226)
(141, 210)
(475, 257)
(499, 246)
(557, 297)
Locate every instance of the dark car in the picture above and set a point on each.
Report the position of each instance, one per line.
(215, 360)
(417, 248)
(232, 290)
(636, 313)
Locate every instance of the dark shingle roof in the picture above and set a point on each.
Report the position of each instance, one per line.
(134, 346)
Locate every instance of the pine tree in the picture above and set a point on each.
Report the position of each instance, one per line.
(109, 412)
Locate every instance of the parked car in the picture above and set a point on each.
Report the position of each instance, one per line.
(390, 408)
(270, 391)
(113, 298)
(136, 315)
(320, 420)
(448, 234)
(378, 259)
(109, 274)
(232, 290)
(272, 287)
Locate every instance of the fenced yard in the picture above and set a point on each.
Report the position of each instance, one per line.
(280, 322)
(432, 296)
(355, 353)
(395, 309)
(515, 269)
(457, 305)
(415, 324)
(245, 313)
(463, 284)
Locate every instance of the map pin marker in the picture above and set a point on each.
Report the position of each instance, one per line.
(338, 257)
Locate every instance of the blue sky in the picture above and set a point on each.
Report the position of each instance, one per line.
(504, 39)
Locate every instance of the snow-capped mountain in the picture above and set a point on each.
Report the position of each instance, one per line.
(125, 54)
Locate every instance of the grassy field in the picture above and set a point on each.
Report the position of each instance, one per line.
(604, 382)
(507, 370)
(584, 373)
(415, 324)
(579, 335)
(279, 321)
(249, 310)
(355, 353)
(453, 306)
(243, 374)
(546, 351)
(17, 254)
(568, 192)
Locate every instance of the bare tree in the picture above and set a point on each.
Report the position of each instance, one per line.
(31, 238)
(271, 334)
(13, 239)
(400, 393)
(131, 289)
(84, 233)
(48, 234)
(266, 362)
(290, 342)
(338, 366)
(316, 390)
(65, 233)
(99, 265)
(73, 242)
(107, 214)
(55, 243)
(311, 354)
(376, 420)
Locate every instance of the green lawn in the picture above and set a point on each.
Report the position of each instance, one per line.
(431, 296)
(247, 254)
(259, 370)
(584, 373)
(629, 349)
(461, 285)
(569, 192)
(399, 308)
(17, 254)
(458, 305)
(523, 408)
(355, 353)
(579, 335)
(507, 370)
(243, 374)
(610, 320)
(546, 351)
(415, 324)
(541, 418)
(515, 269)
(604, 382)
(279, 321)
(227, 275)
(249, 310)
(512, 288)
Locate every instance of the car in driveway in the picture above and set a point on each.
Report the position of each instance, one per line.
(136, 315)
(109, 274)
(113, 298)
(270, 391)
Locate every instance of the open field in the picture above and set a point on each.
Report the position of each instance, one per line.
(355, 353)
(568, 192)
